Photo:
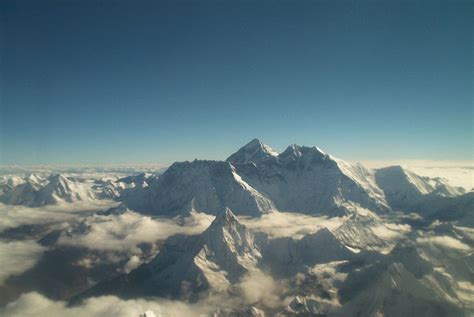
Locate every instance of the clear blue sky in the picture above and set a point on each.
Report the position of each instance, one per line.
(159, 81)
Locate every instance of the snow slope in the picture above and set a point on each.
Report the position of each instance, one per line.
(56, 189)
(402, 187)
(208, 186)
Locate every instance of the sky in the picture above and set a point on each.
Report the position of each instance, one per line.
(100, 82)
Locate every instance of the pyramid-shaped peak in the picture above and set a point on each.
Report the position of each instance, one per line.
(225, 221)
(229, 243)
(253, 151)
(225, 216)
(58, 180)
(293, 149)
(324, 232)
(255, 142)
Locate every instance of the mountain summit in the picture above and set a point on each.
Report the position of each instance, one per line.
(253, 151)
(257, 180)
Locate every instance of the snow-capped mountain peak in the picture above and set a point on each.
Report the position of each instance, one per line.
(226, 217)
(56, 189)
(228, 242)
(33, 178)
(59, 182)
(253, 151)
(307, 153)
(60, 189)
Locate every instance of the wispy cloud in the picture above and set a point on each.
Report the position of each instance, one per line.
(124, 232)
(14, 216)
(285, 224)
(446, 242)
(256, 286)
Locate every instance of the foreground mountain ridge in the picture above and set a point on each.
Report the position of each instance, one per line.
(219, 259)
(187, 266)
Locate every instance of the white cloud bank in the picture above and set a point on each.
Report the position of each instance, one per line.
(14, 216)
(285, 224)
(17, 257)
(257, 286)
(36, 305)
(112, 233)
(124, 232)
(446, 242)
(254, 287)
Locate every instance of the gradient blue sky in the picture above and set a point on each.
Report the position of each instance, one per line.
(159, 81)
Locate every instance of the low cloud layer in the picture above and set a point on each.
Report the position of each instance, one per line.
(117, 236)
(17, 257)
(254, 287)
(390, 231)
(445, 242)
(36, 305)
(14, 216)
(284, 224)
(124, 232)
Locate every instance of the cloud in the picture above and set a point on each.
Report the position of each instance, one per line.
(132, 264)
(112, 232)
(457, 173)
(284, 224)
(126, 231)
(445, 241)
(34, 304)
(254, 287)
(14, 216)
(258, 287)
(390, 231)
(111, 171)
(18, 256)
(117, 238)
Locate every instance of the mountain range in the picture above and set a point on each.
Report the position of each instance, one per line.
(378, 242)
(253, 181)
(257, 180)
